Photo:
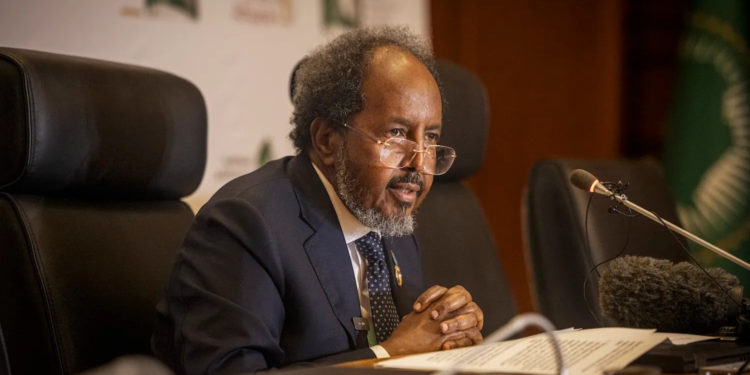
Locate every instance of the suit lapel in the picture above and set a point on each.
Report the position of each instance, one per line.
(326, 247)
(403, 250)
(329, 256)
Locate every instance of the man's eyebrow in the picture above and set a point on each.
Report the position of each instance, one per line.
(402, 121)
(405, 122)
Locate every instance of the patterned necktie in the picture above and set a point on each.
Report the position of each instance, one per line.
(383, 309)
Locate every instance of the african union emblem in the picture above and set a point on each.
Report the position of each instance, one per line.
(187, 7)
(707, 159)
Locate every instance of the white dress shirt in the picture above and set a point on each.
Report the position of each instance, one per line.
(353, 229)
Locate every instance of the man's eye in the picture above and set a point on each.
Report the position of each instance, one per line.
(396, 132)
(432, 137)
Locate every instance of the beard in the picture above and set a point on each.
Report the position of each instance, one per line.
(352, 192)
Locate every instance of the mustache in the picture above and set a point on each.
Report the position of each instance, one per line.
(410, 178)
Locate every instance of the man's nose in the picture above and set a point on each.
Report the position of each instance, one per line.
(418, 160)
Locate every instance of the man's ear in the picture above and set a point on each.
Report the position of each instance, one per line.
(326, 140)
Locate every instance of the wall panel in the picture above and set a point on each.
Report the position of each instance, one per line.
(553, 75)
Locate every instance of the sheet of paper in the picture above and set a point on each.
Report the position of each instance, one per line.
(586, 351)
(684, 338)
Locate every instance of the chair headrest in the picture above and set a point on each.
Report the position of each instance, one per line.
(74, 126)
(465, 119)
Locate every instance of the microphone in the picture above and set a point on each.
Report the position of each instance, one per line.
(586, 181)
(645, 292)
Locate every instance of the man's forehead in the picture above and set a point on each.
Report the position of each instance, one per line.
(400, 89)
(392, 60)
(393, 55)
(409, 123)
(394, 71)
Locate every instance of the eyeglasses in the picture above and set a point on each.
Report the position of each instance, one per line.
(399, 153)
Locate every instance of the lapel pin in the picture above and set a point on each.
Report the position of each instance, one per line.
(397, 270)
(360, 324)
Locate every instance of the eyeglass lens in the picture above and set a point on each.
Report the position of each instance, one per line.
(398, 153)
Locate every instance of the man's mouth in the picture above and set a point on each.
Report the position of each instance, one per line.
(407, 188)
(405, 192)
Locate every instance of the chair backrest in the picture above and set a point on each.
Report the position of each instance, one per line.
(4, 362)
(456, 243)
(94, 158)
(554, 218)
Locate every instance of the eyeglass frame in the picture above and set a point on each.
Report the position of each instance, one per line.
(414, 152)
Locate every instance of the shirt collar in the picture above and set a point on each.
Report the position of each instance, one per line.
(352, 228)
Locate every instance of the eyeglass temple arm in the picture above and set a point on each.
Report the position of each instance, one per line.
(363, 133)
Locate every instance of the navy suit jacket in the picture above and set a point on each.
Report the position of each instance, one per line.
(264, 279)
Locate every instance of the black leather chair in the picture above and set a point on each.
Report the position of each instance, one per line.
(4, 362)
(94, 158)
(456, 243)
(554, 218)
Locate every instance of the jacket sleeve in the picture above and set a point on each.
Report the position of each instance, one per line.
(223, 311)
(353, 355)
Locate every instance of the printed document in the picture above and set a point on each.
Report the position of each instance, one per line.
(586, 351)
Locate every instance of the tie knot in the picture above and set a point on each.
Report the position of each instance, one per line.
(369, 246)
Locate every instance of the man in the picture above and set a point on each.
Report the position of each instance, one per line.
(312, 257)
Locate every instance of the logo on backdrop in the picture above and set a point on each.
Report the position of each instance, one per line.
(279, 12)
(187, 7)
(707, 160)
(166, 9)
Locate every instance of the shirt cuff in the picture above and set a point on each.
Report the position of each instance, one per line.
(380, 351)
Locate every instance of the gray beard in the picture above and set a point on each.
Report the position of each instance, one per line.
(351, 191)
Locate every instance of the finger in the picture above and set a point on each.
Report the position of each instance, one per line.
(448, 345)
(430, 295)
(449, 340)
(480, 318)
(459, 323)
(449, 303)
(460, 343)
(457, 289)
(475, 335)
(469, 308)
(471, 337)
(473, 308)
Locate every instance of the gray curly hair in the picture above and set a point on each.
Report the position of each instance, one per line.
(327, 83)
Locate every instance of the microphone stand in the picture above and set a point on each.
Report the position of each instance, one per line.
(623, 199)
(587, 182)
(742, 330)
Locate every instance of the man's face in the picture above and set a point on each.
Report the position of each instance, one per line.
(401, 99)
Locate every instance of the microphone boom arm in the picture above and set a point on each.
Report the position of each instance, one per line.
(718, 251)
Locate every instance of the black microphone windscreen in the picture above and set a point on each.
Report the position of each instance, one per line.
(645, 292)
(582, 179)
